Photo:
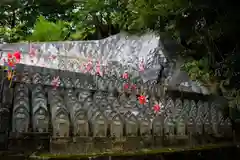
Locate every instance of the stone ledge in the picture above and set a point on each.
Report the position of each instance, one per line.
(136, 153)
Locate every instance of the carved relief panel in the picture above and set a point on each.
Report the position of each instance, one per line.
(199, 125)
(207, 123)
(169, 107)
(214, 119)
(83, 94)
(5, 117)
(181, 126)
(21, 118)
(169, 126)
(99, 124)
(7, 94)
(60, 118)
(116, 124)
(80, 123)
(37, 78)
(145, 125)
(178, 107)
(131, 124)
(40, 114)
(158, 125)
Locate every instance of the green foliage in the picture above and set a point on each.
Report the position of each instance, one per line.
(48, 31)
(199, 70)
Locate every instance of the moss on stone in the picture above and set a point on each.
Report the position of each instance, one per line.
(136, 153)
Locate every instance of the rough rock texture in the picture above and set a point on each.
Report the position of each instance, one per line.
(118, 53)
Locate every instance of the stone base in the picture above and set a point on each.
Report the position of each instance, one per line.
(102, 144)
(182, 140)
(132, 143)
(81, 145)
(31, 142)
(169, 140)
(147, 142)
(158, 141)
(60, 145)
(3, 141)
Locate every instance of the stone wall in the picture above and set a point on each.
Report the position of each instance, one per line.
(92, 113)
(78, 118)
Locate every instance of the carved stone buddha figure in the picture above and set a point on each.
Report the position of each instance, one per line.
(61, 127)
(37, 78)
(47, 80)
(100, 127)
(117, 127)
(131, 126)
(158, 126)
(83, 95)
(20, 120)
(68, 82)
(88, 103)
(98, 96)
(145, 126)
(41, 120)
(181, 127)
(81, 124)
(111, 98)
(77, 83)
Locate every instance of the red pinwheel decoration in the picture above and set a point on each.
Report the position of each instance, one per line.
(13, 59)
(126, 86)
(134, 86)
(98, 69)
(56, 82)
(141, 66)
(156, 108)
(142, 99)
(32, 52)
(125, 75)
(52, 57)
(89, 65)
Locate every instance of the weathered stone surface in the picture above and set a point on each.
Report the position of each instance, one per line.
(92, 113)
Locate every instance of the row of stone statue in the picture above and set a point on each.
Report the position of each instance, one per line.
(45, 76)
(94, 114)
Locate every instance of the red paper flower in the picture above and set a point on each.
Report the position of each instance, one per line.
(13, 58)
(156, 108)
(89, 65)
(126, 86)
(11, 63)
(142, 99)
(125, 75)
(17, 56)
(52, 57)
(32, 52)
(98, 69)
(134, 86)
(56, 82)
(9, 56)
(141, 66)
